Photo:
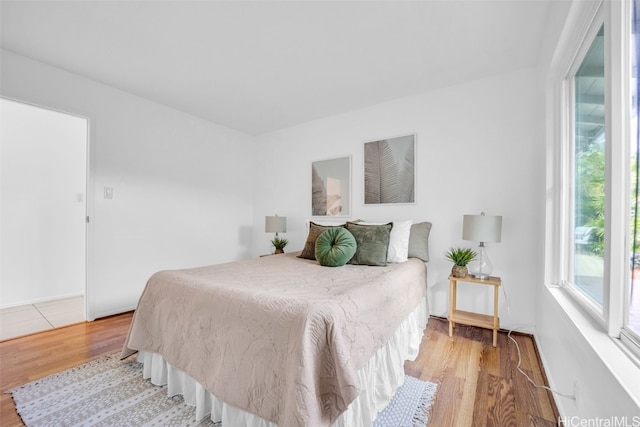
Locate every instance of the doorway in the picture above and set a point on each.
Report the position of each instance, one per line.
(43, 181)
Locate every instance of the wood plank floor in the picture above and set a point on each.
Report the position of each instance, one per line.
(478, 385)
(35, 356)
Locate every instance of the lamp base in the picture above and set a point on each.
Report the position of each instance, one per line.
(481, 267)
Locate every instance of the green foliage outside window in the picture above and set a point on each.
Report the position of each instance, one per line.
(590, 194)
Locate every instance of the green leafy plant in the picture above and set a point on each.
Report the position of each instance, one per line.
(279, 242)
(461, 256)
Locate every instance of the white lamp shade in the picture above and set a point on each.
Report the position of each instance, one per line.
(482, 228)
(275, 224)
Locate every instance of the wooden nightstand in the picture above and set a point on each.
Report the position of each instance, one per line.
(474, 319)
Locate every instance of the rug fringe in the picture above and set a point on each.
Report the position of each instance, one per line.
(421, 415)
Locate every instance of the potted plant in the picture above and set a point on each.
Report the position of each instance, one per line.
(460, 258)
(279, 243)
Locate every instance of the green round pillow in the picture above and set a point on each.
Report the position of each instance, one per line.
(335, 246)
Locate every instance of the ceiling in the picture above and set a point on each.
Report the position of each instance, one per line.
(258, 66)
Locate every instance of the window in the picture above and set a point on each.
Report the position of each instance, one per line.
(588, 154)
(594, 227)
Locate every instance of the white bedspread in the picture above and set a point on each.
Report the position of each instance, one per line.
(379, 379)
(279, 337)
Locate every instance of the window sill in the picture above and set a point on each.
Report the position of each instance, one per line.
(620, 361)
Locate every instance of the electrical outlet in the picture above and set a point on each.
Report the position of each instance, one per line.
(576, 393)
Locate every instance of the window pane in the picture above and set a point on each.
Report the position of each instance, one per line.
(589, 163)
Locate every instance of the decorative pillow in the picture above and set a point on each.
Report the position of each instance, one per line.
(419, 241)
(398, 240)
(335, 246)
(309, 250)
(372, 241)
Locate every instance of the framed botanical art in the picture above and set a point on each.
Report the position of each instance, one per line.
(331, 187)
(389, 170)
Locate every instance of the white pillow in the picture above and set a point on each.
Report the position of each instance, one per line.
(398, 240)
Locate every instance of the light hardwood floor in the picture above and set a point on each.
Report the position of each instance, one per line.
(478, 385)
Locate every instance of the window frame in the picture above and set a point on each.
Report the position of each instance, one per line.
(628, 336)
(567, 216)
(613, 317)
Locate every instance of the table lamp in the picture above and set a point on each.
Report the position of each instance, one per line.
(275, 224)
(484, 229)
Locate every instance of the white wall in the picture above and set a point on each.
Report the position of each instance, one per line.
(581, 360)
(183, 188)
(42, 203)
(479, 148)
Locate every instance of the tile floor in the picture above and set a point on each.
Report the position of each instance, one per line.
(27, 319)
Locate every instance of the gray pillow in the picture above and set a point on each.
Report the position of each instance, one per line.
(372, 241)
(419, 241)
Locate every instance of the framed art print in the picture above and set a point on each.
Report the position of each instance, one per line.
(331, 187)
(389, 170)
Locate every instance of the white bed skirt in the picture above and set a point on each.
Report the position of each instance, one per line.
(379, 379)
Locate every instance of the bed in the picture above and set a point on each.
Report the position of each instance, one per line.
(281, 340)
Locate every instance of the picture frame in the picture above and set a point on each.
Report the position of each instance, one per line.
(389, 171)
(331, 187)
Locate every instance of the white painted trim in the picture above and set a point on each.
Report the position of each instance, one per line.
(618, 109)
(89, 304)
(564, 157)
(631, 344)
(630, 338)
(571, 46)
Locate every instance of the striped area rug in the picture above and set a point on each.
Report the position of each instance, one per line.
(112, 392)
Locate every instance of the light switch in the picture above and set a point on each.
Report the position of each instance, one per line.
(108, 192)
